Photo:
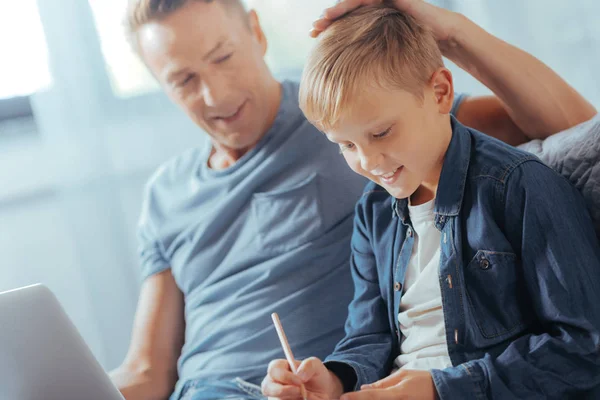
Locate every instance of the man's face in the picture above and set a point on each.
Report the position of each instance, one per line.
(210, 61)
(394, 139)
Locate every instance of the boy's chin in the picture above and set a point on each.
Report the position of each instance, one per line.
(400, 192)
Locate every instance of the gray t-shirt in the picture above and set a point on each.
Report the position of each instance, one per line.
(269, 234)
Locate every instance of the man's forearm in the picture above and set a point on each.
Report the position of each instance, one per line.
(538, 100)
(140, 385)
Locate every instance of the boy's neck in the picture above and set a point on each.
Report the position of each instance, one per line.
(422, 195)
(428, 188)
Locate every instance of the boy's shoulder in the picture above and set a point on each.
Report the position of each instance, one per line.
(509, 168)
(494, 159)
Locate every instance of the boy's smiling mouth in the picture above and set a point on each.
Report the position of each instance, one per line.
(391, 177)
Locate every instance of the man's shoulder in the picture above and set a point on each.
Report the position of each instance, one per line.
(176, 169)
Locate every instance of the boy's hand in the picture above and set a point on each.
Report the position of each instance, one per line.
(320, 383)
(404, 384)
(443, 23)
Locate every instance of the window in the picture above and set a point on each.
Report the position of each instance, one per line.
(128, 75)
(24, 67)
(286, 24)
(530, 25)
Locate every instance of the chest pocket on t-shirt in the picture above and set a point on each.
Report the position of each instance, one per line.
(289, 217)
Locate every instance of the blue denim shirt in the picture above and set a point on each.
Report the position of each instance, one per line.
(519, 274)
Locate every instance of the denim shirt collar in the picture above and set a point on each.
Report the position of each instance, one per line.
(453, 178)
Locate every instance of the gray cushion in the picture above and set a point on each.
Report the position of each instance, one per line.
(575, 154)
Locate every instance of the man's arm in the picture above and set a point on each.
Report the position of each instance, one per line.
(487, 114)
(531, 101)
(150, 368)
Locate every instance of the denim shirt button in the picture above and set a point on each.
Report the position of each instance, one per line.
(485, 264)
(409, 232)
(397, 286)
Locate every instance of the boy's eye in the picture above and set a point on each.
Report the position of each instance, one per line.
(383, 134)
(344, 147)
(223, 59)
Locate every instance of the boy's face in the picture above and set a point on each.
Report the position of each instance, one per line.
(396, 140)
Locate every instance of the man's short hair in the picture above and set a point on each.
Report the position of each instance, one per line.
(376, 45)
(141, 12)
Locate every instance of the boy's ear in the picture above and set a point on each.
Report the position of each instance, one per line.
(443, 89)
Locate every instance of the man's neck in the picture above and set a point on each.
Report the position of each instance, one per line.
(223, 157)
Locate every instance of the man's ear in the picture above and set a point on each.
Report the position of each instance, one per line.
(257, 31)
(442, 85)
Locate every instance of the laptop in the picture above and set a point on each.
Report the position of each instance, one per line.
(42, 356)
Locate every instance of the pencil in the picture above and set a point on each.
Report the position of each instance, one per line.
(286, 349)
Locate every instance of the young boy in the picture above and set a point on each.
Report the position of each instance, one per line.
(476, 267)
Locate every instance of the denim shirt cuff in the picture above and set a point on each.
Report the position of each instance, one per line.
(466, 381)
(362, 375)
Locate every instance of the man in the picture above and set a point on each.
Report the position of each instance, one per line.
(258, 218)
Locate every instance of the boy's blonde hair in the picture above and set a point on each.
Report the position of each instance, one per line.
(376, 45)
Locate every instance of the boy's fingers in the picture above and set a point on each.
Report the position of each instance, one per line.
(376, 394)
(285, 377)
(387, 382)
(309, 368)
(278, 364)
(279, 371)
(272, 389)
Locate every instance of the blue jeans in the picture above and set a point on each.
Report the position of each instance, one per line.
(235, 389)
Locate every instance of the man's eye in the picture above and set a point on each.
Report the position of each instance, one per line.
(187, 80)
(344, 147)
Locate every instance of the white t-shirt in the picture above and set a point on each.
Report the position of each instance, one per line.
(421, 317)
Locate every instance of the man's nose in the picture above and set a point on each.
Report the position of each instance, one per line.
(214, 91)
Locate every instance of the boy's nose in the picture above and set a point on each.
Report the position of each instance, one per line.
(370, 163)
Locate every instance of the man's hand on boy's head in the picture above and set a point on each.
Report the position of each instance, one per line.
(443, 23)
(404, 384)
(342, 8)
